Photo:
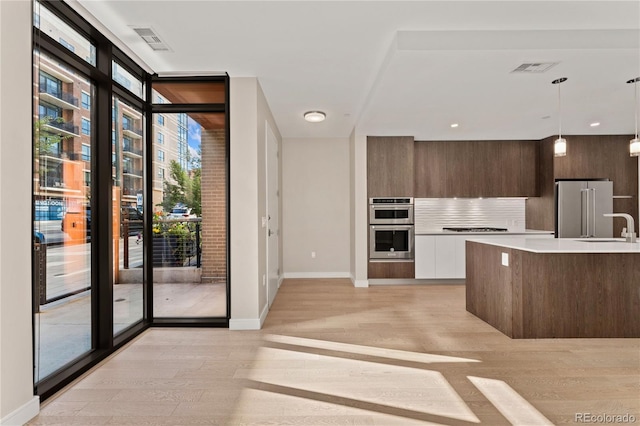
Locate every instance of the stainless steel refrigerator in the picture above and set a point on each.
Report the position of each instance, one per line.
(579, 208)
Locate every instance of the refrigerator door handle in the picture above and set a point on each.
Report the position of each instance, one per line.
(584, 213)
(592, 200)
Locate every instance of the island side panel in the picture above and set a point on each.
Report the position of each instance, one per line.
(488, 286)
(581, 295)
(517, 259)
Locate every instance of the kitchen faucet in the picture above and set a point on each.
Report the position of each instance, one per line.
(631, 235)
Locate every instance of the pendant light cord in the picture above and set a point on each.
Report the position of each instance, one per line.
(635, 101)
(559, 113)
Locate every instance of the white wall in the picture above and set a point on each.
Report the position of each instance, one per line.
(17, 403)
(358, 200)
(316, 207)
(248, 112)
(244, 202)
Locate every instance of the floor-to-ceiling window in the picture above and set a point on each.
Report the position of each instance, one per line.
(88, 182)
(62, 217)
(62, 187)
(127, 191)
(128, 205)
(189, 195)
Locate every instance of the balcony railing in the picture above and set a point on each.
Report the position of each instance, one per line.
(61, 155)
(132, 171)
(134, 132)
(63, 96)
(52, 182)
(67, 128)
(131, 191)
(127, 148)
(175, 242)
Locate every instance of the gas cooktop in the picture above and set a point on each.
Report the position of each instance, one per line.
(476, 229)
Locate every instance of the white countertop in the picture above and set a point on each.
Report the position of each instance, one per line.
(562, 245)
(480, 234)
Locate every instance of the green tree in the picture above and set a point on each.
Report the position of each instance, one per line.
(182, 188)
(177, 189)
(196, 191)
(44, 138)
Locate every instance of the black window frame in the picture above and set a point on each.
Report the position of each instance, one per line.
(99, 73)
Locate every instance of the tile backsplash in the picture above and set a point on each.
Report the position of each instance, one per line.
(432, 214)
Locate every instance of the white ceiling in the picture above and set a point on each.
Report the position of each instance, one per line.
(405, 68)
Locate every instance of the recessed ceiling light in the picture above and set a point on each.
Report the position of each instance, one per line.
(314, 116)
(594, 124)
(454, 125)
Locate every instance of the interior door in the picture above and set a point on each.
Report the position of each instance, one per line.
(273, 232)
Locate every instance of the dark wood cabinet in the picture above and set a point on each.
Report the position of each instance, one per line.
(460, 170)
(390, 166)
(391, 269)
(588, 157)
(430, 170)
(476, 169)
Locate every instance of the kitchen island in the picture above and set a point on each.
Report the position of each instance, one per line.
(548, 287)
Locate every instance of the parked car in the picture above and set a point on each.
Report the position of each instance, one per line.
(180, 211)
(135, 218)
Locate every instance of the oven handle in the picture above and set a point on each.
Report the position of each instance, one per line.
(391, 206)
(393, 227)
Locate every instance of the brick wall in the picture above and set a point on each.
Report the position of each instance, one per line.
(214, 205)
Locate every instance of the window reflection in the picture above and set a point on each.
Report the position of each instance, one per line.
(128, 203)
(62, 216)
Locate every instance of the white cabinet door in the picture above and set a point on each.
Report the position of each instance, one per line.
(425, 254)
(450, 256)
(461, 247)
(446, 256)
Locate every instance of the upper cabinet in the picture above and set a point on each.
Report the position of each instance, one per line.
(476, 169)
(390, 165)
(588, 157)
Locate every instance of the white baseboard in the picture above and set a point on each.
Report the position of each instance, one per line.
(244, 324)
(23, 414)
(361, 283)
(249, 324)
(263, 314)
(316, 275)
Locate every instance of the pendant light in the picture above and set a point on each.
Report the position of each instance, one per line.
(634, 144)
(560, 144)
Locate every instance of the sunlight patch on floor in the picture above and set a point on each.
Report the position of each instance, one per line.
(389, 386)
(365, 350)
(264, 407)
(509, 402)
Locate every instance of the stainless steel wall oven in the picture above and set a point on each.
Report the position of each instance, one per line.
(386, 211)
(391, 241)
(391, 229)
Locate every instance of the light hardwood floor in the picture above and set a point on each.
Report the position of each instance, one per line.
(330, 353)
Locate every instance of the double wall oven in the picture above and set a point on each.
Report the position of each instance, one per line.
(391, 228)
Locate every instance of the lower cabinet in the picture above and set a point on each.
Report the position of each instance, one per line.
(393, 269)
(444, 256)
(425, 255)
(440, 256)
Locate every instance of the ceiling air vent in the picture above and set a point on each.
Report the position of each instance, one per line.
(150, 37)
(536, 67)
